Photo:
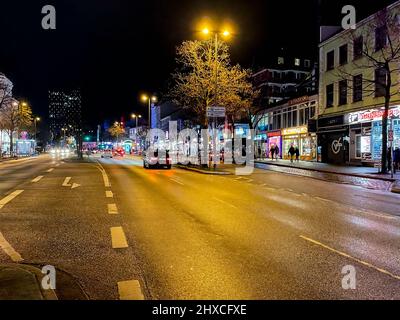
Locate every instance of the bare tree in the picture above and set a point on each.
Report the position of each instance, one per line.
(116, 130)
(205, 78)
(13, 118)
(376, 49)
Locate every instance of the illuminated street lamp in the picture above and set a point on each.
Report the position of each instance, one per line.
(137, 117)
(146, 98)
(225, 34)
(35, 122)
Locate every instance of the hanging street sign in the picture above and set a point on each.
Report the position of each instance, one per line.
(216, 112)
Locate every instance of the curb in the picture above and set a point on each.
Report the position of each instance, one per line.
(37, 273)
(220, 173)
(396, 187)
(329, 172)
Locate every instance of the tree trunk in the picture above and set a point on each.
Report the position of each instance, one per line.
(385, 116)
(11, 144)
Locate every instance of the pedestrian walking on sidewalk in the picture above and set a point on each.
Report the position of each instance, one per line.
(277, 152)
(396, 159)
(272, 151)
(291, 153)
(389, 158)
(297, 152)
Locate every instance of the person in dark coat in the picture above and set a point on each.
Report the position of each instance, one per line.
(272, 151)
(291, 153)
(297, 152)
(277, 152)
(396, 159)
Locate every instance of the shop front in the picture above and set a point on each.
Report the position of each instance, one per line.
(274, 139)
(300, 138)
(366, 133)
(333, 140)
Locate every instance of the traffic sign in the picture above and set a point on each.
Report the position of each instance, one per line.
(391, 135)
(216, 112)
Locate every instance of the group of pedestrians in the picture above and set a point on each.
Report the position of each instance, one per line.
(294, 152)
(396, 159)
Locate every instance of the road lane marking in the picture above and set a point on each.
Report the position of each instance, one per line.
(112, 208)
(50, 170)
(118, 238)
(57, 165)
(37, 179)
(352, 258)
(226, 203)
(10, 197)
(130, 290)
(177, 181)
(9, 250)
(66, 182)
(109, 194)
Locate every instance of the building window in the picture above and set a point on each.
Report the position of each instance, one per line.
(358, 47)
(343, 54)
(329, 95)
(297, 62)
(307, 63)
(380, 82)
(380, 38)
(357, 88)
(330, 60)
(342, 92)
(281, 60)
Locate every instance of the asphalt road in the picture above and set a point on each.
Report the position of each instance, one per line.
(194, 236)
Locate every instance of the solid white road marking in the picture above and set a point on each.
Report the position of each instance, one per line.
(130, 290)
(352, 258)
(9, 250)
(8, 198)
(118, 238)
(109, 194)
(37, 179)
(50, 170)
(172, 179)
(112, 208)
(226, 203)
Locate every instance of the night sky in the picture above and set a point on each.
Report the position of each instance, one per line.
(114, 50)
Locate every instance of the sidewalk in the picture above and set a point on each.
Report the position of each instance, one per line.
(21, 282)
(363, 176)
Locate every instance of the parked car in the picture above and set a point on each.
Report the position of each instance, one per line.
(106, 153)
(156, 160)
(119, 152)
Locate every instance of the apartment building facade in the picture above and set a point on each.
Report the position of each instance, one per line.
(351, 94)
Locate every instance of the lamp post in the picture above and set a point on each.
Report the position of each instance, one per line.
(149, 100)
(64, 130)
(36, 121)
(226, 34)
(134, 116)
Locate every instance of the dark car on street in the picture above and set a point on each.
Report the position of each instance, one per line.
(156, 160)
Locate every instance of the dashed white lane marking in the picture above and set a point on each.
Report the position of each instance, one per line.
(352, 258)
(8, 198)
(9, 250)
(177, 181)
(112, 208)
(118, 238)
(225, 203)
(109, 194)
(130, 290)
(37, 179)
(50, 170)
